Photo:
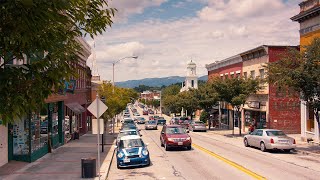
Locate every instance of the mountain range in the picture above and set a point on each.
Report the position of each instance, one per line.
(155, 82)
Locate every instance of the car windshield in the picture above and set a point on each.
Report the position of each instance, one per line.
(275, 133)
(128, 121)
(124, 133)
(175, 130)
(151, 122)
(131, 143)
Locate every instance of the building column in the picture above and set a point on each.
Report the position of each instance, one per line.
(61, 121)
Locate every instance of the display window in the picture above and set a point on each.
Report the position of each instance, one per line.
(21, 137)
(39, 136)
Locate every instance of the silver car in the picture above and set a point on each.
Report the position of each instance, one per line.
(151, 125)
(197, 126)
(269, 139)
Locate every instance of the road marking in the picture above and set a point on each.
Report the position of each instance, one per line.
(239, 167)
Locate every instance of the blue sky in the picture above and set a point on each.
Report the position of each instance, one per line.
(166, 34)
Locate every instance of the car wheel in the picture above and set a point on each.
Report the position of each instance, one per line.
(166, 147)
(189, 147)
(161, 143)
(118, 166)
(246, 143)
(263, 147)
(287, 150)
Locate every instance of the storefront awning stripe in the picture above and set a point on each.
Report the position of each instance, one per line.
(76, 108)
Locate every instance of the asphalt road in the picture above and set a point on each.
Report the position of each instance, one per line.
(214, 157)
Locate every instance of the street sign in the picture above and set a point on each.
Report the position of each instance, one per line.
(97, 108)
(95, 126)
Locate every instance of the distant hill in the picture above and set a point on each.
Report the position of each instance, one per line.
(155, 82)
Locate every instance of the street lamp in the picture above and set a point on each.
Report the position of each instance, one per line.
(115, 62)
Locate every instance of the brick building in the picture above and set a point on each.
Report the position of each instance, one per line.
(270, 109)
(309, 20)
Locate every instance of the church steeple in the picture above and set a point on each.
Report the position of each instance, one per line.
(191, 80)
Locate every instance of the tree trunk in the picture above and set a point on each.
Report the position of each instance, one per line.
(316, 113)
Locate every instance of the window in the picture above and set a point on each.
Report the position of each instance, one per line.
(232, 76)
(261, 71)
(259, 133)
(238, 75)
(192, 83)
(245, 75)
(252, 74)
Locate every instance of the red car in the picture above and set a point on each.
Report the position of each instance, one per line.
(144, 112)
(174, 136)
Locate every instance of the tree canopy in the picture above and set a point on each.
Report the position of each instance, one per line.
(44, 35)
(116, 101)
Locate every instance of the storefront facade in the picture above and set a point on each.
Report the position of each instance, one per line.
(3, 144)
(36, 134)
(309, 20)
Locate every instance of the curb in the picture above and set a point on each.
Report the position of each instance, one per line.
(109, 158)
(306, 153)
(107, 174)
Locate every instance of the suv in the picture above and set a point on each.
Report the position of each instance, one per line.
(161, 122)
(174, 136)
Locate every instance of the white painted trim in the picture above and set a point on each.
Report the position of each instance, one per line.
(238, 72)
(232, 73)
(221, 74)
(226, 73)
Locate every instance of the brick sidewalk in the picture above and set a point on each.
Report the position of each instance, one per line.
(64, 162)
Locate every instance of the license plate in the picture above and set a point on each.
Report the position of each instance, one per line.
(180, 143)
(283, 141)
(126, 160)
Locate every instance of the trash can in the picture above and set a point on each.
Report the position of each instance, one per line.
(88, 168)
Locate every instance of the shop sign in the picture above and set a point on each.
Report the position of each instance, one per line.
(254, 104)
(70, 85)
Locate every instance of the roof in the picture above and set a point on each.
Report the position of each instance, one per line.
(130, 137)
(306, 14)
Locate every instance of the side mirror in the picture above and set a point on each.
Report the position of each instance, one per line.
(162, 132)
(139, 129)
(147, 144)
(140, 135)
(187, 131)
(115, 146)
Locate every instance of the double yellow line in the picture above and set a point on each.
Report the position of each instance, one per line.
(239, 167)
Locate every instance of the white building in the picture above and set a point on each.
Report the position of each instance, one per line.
(191, 80)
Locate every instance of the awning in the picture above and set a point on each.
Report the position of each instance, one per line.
(76, 108)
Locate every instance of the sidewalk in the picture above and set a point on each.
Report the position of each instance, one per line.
(64, 162)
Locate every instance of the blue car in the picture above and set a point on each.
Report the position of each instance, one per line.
(131, 151)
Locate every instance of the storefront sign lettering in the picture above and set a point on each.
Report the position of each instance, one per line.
(254, 104)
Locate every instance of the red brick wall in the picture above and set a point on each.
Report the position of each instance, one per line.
(284, 107)
(230, 68)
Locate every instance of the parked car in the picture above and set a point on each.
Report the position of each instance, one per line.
(197, 126)
(151, 125)
(127, 132)
(151, 118)
(161, 121)
(141, 120)
(132, 151)
(174, 136)
(136, 114)
(151, 112)
(266, 139)
(128, 127)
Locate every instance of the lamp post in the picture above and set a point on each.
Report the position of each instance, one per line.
(115, 62)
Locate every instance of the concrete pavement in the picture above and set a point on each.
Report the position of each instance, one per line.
(64, 162)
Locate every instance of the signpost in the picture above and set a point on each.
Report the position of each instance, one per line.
(97, 108)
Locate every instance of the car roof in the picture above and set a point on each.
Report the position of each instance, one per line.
(271, 129)
(126, 130)
(130, 137)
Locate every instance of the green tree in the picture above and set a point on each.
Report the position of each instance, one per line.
(188, 101)
(235, 91)
(45, 34)
(299, 71)
(169, 98)
(207, 98)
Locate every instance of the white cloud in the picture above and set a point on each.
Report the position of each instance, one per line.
(221, 29)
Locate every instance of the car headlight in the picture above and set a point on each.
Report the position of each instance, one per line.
(145, 152)
(120, 155)
(188, 138)
(170, 139)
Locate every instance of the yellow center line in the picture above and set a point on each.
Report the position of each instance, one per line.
(239, 167)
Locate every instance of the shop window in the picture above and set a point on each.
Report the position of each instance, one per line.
(310, 119)
(40, 132)
(55, 119)
(21, 137)
(245, 75)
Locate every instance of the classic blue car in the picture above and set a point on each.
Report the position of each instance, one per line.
(131, 151)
